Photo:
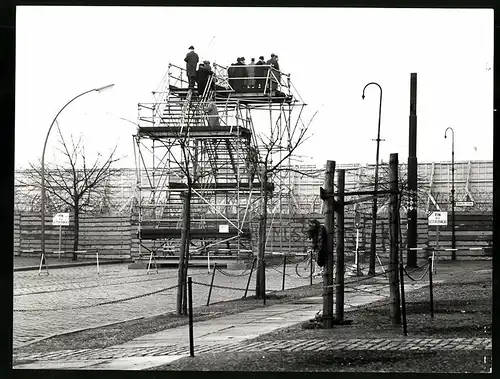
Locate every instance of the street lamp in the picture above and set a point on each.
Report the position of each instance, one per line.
(373, 240)
(100, 89)
(453, 241)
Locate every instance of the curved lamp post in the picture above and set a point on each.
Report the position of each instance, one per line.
(100, 89)
(373, 239)
(453, 241)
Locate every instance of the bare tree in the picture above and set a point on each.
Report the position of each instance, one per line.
(193, 171)
(267, 171)
(73, 184)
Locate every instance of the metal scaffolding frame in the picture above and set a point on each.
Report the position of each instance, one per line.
(176, 139)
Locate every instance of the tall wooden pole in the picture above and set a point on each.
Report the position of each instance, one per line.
(339, 275)
(394, 241)
(329, 226)
(411, 259)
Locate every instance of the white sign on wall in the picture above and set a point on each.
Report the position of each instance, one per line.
(438, 218)
(223, 228)
(60, 219)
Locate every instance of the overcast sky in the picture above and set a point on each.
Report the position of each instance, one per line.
(330, 53)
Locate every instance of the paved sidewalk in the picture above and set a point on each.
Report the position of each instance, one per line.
(224, 334)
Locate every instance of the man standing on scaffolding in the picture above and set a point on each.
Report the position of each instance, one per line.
(191, 62)
(202, 75)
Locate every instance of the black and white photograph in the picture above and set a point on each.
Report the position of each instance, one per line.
(248, 189)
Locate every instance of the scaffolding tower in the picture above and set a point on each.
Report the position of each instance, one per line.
(208, 140)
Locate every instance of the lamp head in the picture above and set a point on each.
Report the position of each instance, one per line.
(100, 89)
(363, 96)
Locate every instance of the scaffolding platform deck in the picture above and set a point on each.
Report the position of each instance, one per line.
(246, 95)
(221, 186)
(162, 233)
(194, 131)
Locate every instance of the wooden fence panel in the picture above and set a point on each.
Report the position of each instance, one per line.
(110, 235)
(17, 233)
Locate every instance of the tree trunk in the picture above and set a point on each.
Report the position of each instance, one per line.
(181, 271)
(187, 208)
(260, 286)
(76, 232)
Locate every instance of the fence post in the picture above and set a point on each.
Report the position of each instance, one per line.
(211, 285)
(403, 305)
(264, 279)
(328, 202)
(339, 276)
(284, 268)
(249, 277)
(394, 243)
(191, 338)
(311, 268)
(430, 287)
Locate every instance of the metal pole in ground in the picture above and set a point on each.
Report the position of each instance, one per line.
(431, 298)
(311, 268)
(249, 277)
(403, 304)
(329, 204)
(394, 243)
(284, 268)
(411, 259)
(191, 337)
(264, 280)
(211, 285)
(339, 276)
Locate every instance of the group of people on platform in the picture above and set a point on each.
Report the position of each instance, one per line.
(254, 75)
(199, 76)
(241, 76)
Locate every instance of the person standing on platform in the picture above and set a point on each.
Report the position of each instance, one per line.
(260, 73)
(202, 75)
(273, 62)
(243, 74)
(191, 63)
(251, 74)
(212, 114)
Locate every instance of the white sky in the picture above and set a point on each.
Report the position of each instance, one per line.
(330, 53)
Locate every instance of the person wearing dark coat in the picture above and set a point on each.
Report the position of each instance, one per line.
(202, 75)
(236, 73)
(251, 74)
(273, 62)
(191, 63)
(260, 74)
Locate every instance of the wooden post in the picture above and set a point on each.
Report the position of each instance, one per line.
(212, 283)
(190, 299)
(329, 226)
(403, 303)
(394, 243)
(311, 268)
(339, 275)
(284, 268)
(431, 297)
(249, 276)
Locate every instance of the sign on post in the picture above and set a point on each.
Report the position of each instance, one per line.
(438, 218)
(357, 220)
(464, 203)
(60, 219)
(223, 228)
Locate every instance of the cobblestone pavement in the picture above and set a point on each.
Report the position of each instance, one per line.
(68, 299)
(87, 358)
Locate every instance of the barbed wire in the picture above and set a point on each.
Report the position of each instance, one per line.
(90, 286)
(234, 275)
(98, 304)
(368, 291)
(217, 286)
(425, 272)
